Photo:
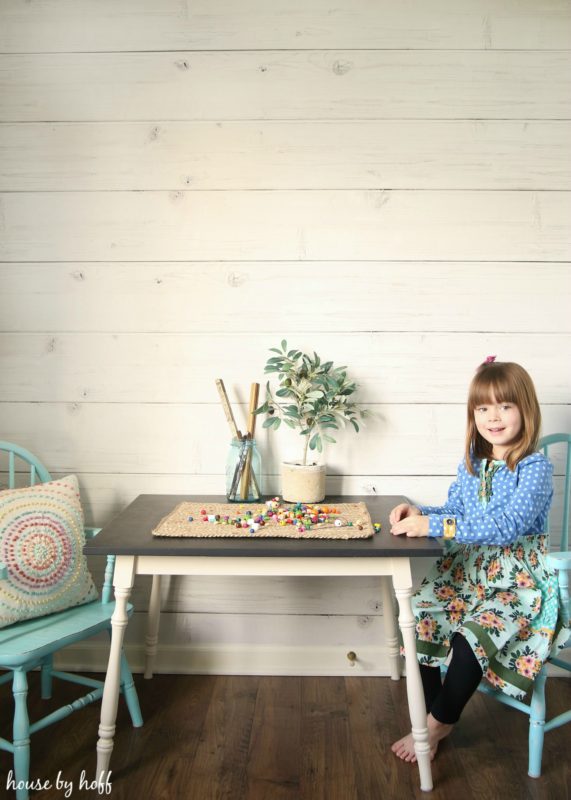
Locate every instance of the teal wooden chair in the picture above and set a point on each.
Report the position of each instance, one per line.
(560, 561)
(31, 644)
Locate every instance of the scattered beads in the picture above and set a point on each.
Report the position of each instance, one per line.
(303, 515)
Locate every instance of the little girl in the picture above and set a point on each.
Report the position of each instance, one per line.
(491, 597)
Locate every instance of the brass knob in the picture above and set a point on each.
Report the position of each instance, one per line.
(352, 656)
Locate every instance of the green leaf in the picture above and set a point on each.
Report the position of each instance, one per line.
(284, 393)
(313, 441)
(268, 423)
(277, 422)
(275, 350)
(290, 422)
(354, 424)
(329, 438)
(284, 345)
(271, 369)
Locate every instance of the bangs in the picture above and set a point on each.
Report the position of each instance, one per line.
(488, 387)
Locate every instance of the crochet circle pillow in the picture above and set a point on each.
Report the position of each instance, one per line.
(41, 541)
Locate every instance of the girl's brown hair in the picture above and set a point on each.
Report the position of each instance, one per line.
(504, 382)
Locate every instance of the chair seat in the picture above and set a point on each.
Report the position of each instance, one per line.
(36, 638)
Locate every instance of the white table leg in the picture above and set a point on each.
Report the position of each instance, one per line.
(123, 580)
(391, 632)
(153, 620)
(403, 587)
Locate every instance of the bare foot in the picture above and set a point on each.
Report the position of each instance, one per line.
(437, 731)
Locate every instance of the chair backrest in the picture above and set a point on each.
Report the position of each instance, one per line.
(544, 443)
(38, 473)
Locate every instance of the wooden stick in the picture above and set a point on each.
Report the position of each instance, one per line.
(246, 477)
(227, 409)
(239, 471)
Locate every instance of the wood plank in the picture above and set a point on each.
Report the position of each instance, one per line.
(271, 154)
(219, 764)
(142, 25)
(127, 297)
(274, 84)
(328, 769)
(105, 495)
(165, 730)
(286, 225)
(388, 368)
(275, 753)
(341, 632)
(373, 723)
(478, 737)
(276, 595)
(402, 439)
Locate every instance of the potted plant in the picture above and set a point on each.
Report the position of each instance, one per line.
(314, 398)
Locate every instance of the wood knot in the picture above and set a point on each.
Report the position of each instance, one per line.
(341, 67)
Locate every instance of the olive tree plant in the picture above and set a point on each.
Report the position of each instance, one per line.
(314, 397)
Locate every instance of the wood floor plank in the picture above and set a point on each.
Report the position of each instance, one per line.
(373, 725)
(328, 769)
(275, 744)
(218, 769)
(447, 769)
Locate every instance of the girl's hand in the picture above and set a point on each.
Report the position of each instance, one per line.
(402, 511)
(415, 525)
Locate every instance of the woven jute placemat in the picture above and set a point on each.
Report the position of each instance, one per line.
(354, 518)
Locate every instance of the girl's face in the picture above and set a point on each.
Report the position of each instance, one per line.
(499, 424)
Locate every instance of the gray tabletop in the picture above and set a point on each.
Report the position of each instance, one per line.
(130, 533)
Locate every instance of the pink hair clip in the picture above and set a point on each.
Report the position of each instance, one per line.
(489, 360)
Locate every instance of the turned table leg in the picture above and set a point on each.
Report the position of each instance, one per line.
(417, 709)
(123, 580)
(153, 620)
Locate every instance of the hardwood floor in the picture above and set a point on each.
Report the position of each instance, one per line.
(273, 738)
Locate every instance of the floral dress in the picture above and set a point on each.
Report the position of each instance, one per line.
(493, 584)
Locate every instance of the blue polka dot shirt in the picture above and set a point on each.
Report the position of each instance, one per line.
(519, 504)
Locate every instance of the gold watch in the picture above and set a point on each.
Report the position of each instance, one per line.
(449, 524)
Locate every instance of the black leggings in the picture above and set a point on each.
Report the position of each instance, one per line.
(446, 700)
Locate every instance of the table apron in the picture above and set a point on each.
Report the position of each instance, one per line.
(262, 566)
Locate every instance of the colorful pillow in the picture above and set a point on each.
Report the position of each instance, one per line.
(41, 541)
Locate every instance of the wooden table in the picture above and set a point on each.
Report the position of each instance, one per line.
(138, 552)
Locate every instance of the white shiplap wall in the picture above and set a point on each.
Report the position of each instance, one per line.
(182, 185)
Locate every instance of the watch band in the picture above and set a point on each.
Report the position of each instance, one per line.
(449, 527)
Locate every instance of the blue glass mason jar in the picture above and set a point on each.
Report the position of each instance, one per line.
(243, 472)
